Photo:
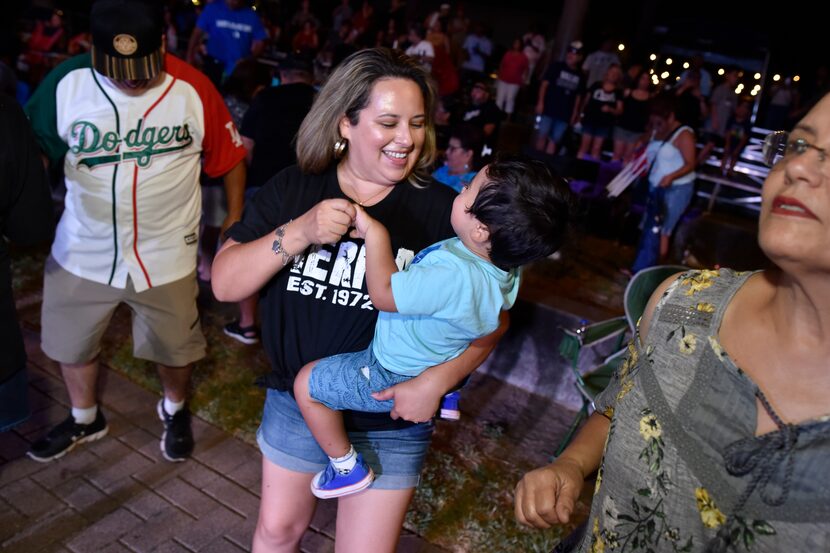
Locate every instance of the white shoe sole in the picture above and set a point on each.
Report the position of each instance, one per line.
(240, 338)
(450, 415)
(91, 438)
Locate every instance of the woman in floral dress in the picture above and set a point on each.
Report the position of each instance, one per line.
(715, 433)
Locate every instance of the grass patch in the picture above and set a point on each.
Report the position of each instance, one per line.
(465, 499)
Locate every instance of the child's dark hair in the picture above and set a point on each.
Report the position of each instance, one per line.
(526, 208)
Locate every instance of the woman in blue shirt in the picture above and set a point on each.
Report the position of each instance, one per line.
(462, 157)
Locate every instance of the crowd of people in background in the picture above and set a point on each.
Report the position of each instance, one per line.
(452, 44)
(587, 105)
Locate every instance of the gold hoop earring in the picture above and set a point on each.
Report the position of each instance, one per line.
(340, 147)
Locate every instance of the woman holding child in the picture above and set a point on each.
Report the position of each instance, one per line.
(368, 140)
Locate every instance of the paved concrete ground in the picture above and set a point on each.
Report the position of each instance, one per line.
(119, 495)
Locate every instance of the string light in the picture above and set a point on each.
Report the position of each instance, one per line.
(776, 77)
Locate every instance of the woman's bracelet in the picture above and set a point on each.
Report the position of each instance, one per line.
(278, 247)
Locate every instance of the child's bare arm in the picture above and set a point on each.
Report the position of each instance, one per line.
(380, 264)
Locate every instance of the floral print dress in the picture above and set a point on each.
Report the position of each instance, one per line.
(683, 469)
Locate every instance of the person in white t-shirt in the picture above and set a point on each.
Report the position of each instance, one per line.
(421, 49)
(134, 127)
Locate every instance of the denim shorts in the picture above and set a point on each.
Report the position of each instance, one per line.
(396, 456)
(675, 201)
(347, 381)
(554, 129)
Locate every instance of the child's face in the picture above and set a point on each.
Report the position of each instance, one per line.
(465, 225)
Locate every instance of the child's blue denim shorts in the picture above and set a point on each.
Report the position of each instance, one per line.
(396, 456)
(347, 380)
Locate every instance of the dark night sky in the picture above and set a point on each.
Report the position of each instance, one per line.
(796, 37)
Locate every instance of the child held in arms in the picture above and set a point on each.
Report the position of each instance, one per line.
(513, 212)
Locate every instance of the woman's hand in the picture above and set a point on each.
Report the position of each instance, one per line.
(416, 400)
(666, 181)
(326, 222)
(547, 495)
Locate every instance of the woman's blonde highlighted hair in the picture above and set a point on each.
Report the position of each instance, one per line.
(346, 93)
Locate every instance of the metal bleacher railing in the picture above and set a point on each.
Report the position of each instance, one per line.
(743, 188)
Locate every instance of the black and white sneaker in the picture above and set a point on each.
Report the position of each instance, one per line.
(177, 440)
(65, 436)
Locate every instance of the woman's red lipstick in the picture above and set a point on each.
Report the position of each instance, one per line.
(784, 205)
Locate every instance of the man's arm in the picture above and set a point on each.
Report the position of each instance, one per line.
(235, 193)
(193, 45)
(540, 101)
(249, 144)
(257, 47)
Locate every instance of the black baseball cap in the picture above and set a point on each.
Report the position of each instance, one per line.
(126, 38)
(296, 62)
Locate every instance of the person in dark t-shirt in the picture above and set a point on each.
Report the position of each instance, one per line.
(482, 113)
(25, 218)
(557, 106)
(368, 139)
(268, 130)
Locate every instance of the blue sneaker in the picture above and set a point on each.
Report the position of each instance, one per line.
(449, 406)
(332, 483)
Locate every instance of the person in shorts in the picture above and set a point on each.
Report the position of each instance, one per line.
(558, 105)
(135, 127)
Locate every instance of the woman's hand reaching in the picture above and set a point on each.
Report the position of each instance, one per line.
(416, 400)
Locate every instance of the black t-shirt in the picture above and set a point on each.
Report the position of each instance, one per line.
(321, 307)
(272, 122)
(565, 85)
(599, 97)
(479, 116)
(635, 114)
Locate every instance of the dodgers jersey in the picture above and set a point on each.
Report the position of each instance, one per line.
(131, 166)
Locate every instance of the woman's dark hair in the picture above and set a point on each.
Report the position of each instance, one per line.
(247, 76)
(664, 104)
(526, 208)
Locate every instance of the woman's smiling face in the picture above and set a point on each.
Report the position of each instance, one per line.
(388, 138)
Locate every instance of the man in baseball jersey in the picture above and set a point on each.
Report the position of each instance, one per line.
(134, 127)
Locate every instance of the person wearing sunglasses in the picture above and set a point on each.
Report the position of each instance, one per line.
(714, 435)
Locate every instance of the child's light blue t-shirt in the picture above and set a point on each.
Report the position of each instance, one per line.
(446, 298)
